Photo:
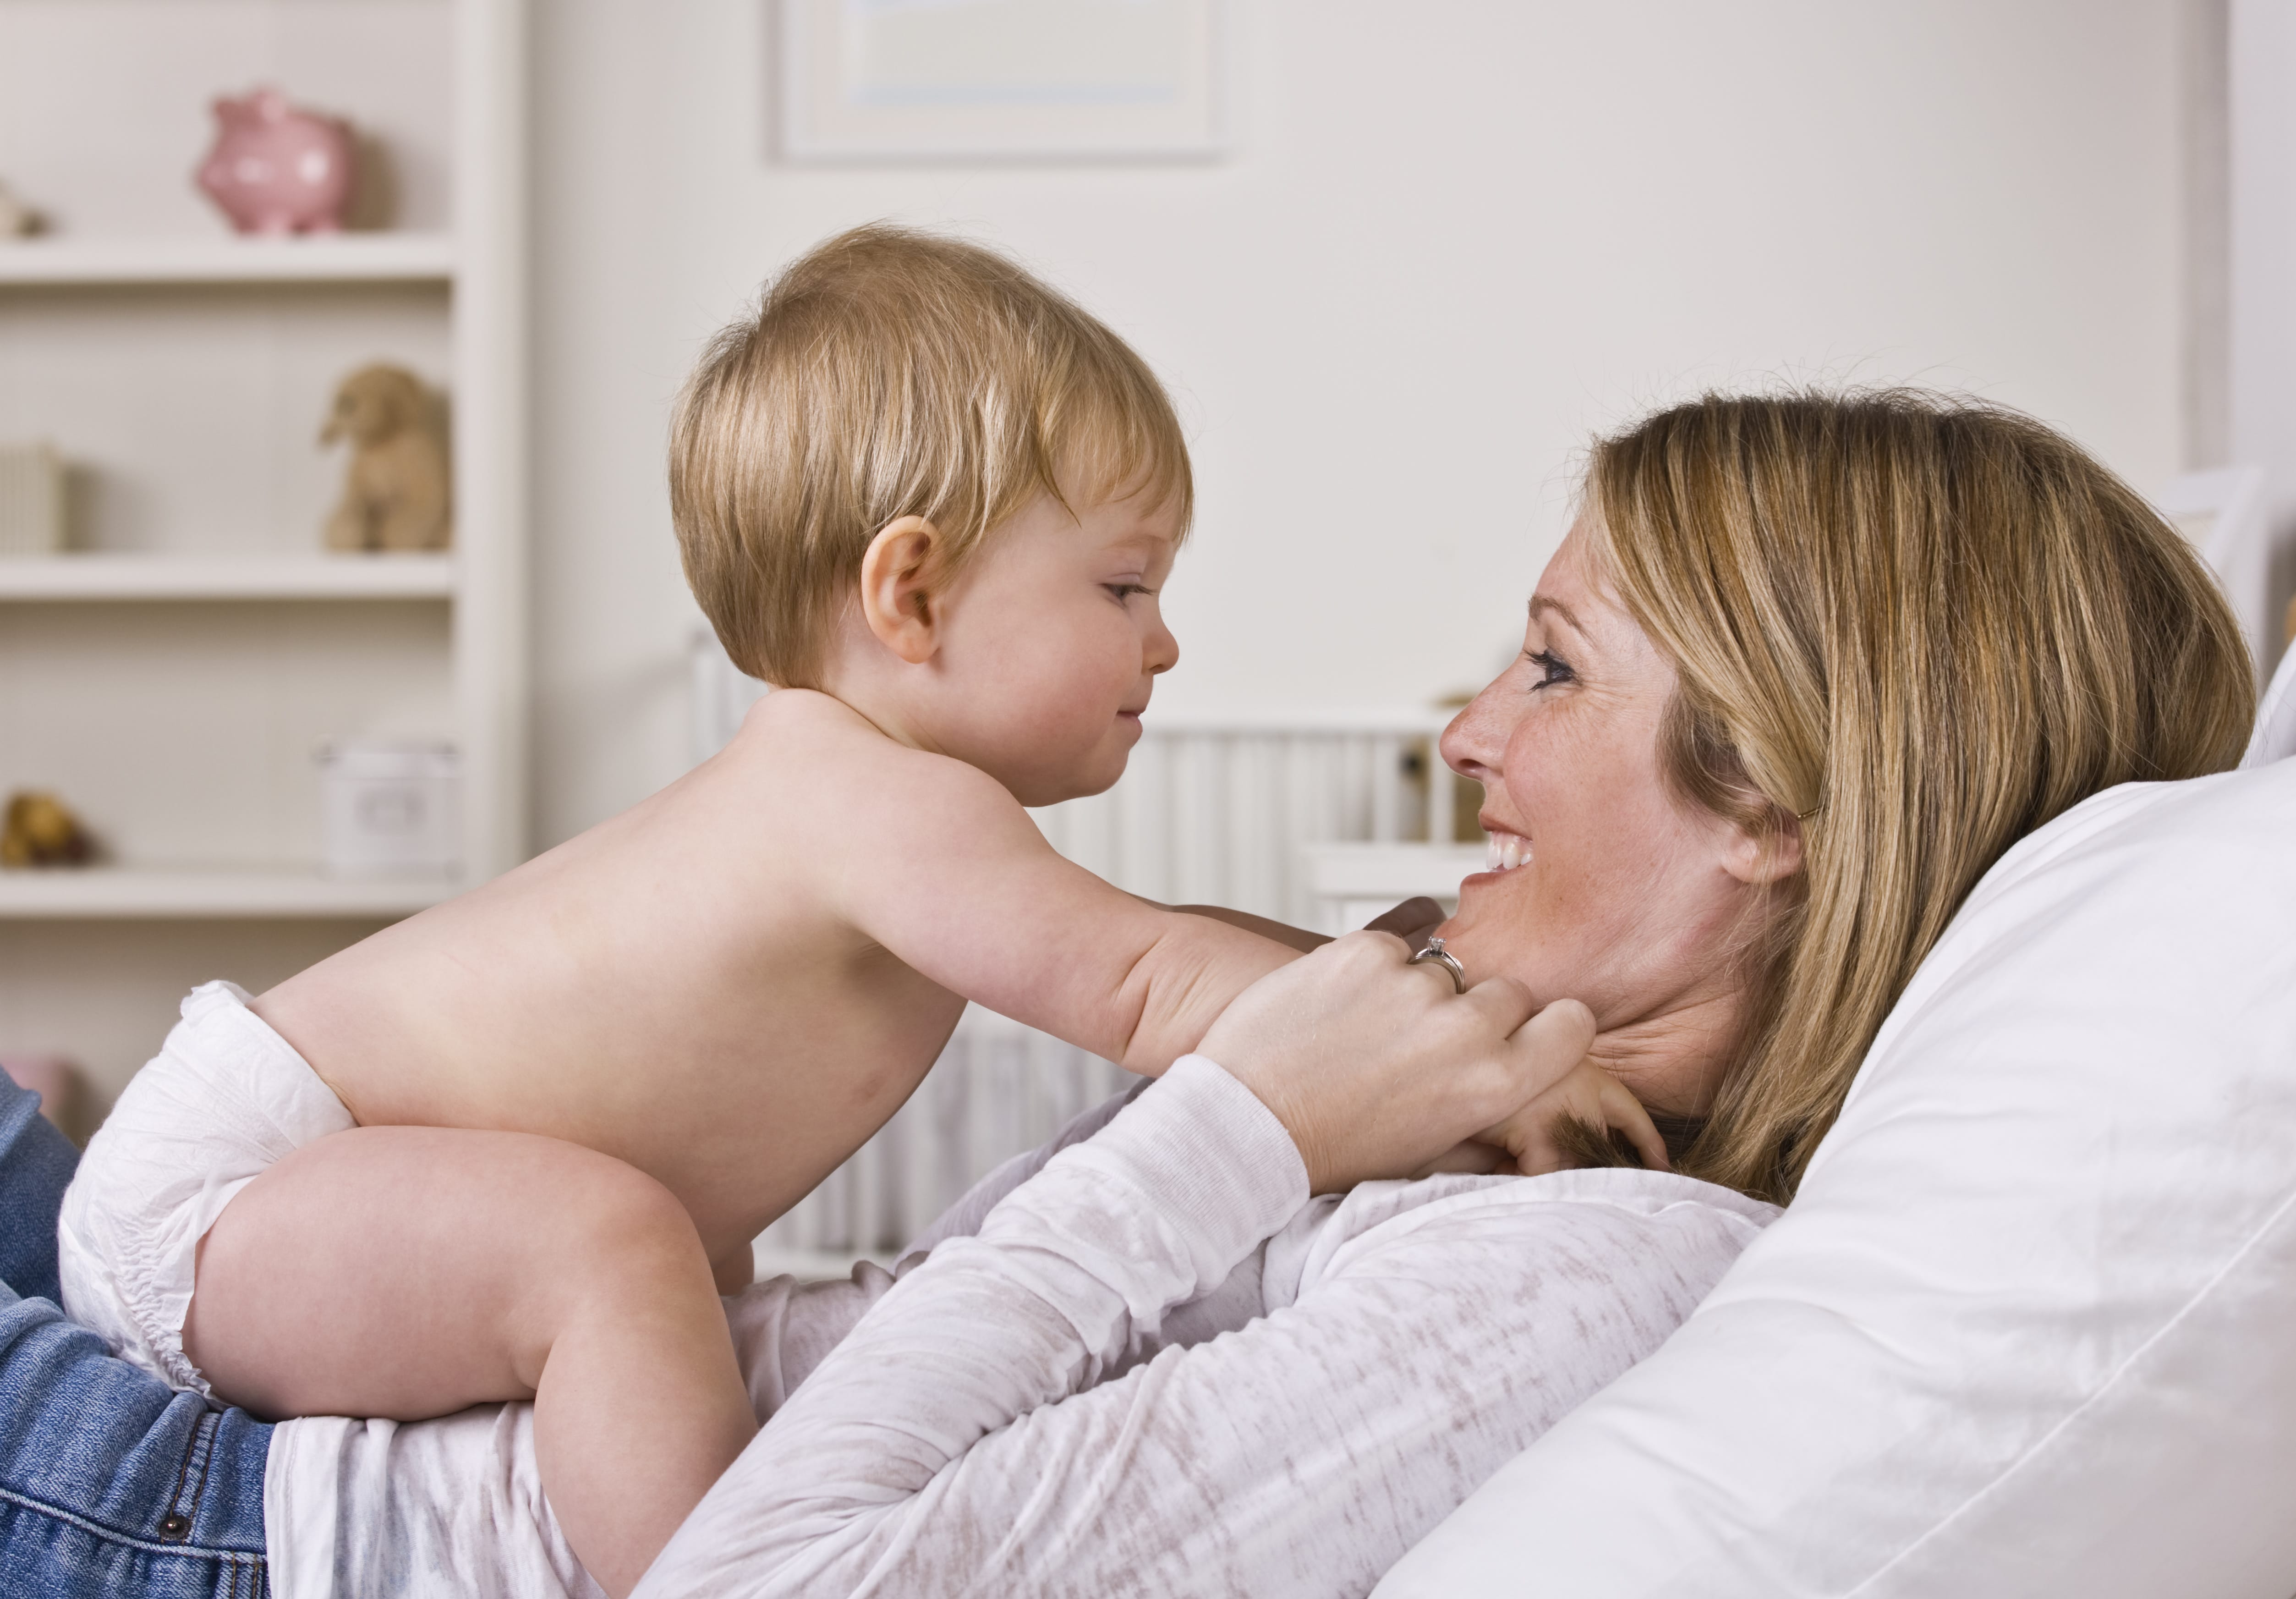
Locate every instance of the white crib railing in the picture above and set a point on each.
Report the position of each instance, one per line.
(1213, 809)
(1216, 809)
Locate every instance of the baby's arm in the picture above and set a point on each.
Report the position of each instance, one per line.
(1282, 932)
(1417, 916)
(961, 886)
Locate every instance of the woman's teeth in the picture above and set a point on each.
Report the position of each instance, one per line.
(1505, 852)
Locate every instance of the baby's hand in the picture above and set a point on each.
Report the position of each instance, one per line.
(1590, 1094)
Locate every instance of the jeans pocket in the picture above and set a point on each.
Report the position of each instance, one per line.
(49, 1553)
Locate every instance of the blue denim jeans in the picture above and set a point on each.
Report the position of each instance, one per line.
(111, 1482)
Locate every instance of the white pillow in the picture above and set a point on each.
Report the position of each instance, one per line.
(2275, 738)
(2030, 1327)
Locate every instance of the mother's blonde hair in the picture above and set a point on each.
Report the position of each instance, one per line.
(1917, 628)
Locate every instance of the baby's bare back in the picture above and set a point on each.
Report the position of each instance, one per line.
(680, 987)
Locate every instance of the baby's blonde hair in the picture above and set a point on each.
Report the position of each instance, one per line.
(891, 372)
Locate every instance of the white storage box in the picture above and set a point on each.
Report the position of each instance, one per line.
(391, 807)
(31, 500)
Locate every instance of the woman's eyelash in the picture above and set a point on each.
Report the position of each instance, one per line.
(1556, 669)
(1125, 591)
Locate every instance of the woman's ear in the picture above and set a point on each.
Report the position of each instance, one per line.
(1760, 859)
(897, 600)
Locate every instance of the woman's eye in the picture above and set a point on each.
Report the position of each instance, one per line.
(1125, 591)
(1553, 668)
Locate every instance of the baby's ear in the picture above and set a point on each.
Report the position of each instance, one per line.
(896, 598)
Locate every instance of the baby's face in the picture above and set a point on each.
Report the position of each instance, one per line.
(1051, 641)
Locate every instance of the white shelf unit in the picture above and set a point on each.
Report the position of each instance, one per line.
(160, 262)
(97, 578)
(175, 681)
(196, 894)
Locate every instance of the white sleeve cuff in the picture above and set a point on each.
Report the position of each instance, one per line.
(1213, 1162)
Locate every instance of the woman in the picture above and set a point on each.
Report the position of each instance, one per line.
(1805, 668)
(1896, 632)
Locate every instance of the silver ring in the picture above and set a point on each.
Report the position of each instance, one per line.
(1444, 958)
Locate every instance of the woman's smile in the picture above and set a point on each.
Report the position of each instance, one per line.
(1504, 851)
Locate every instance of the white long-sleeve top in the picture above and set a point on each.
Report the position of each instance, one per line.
(1157, 1368)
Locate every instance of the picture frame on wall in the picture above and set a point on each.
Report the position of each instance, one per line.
(998, 80)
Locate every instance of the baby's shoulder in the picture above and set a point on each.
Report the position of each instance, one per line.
(842, 762)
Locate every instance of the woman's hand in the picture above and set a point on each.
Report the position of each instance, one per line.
(1587, 1094)
(1376, 1067)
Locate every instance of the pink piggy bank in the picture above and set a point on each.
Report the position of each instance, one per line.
(276, 169)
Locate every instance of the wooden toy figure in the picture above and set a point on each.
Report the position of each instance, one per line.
(17, 219)
(395, 496)
(39, 832)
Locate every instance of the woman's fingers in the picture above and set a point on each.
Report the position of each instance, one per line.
(1587, 1095)
(1507, 1004)
(1622, 1112)
(1379, 1068)
(1548, 1045)
(1375, 1067)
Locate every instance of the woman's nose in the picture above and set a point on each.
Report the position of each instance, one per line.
(1475, 742)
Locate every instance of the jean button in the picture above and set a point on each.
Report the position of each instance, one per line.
(175, 1526)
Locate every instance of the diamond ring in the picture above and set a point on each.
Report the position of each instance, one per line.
(1444, 958)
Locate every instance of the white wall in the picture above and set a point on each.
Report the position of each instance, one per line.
(1453, 237)
(2261, 312)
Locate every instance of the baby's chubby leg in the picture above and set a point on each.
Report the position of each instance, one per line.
(408, 1272)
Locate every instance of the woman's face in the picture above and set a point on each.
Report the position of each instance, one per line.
(1606, 886)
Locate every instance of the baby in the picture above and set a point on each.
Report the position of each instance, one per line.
(518, 1144)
